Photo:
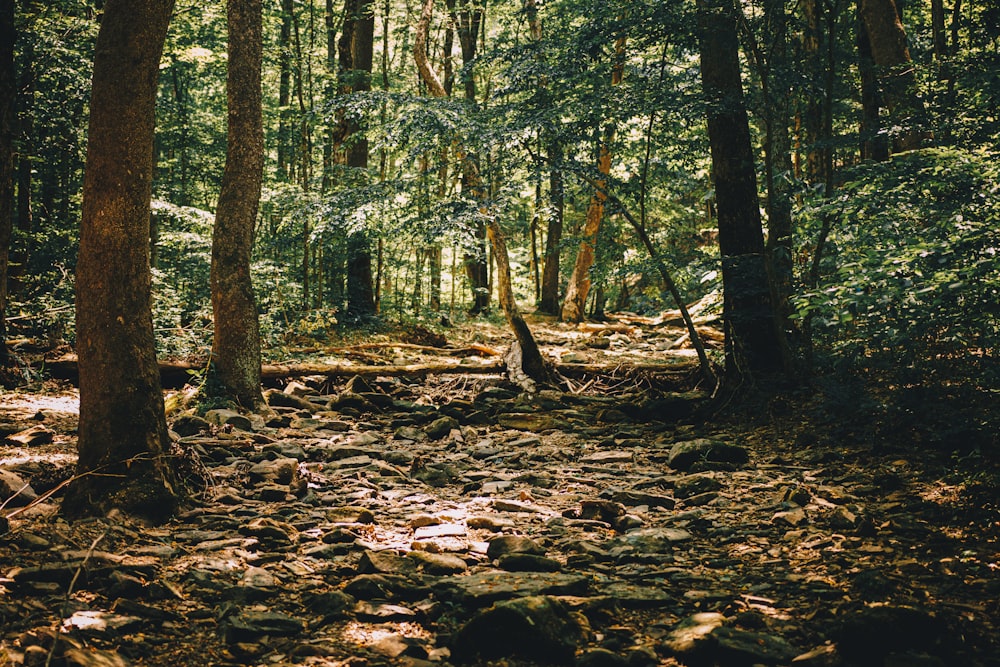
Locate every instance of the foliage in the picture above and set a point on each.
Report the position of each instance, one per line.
(912, 277)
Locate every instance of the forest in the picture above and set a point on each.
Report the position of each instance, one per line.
(583, 332)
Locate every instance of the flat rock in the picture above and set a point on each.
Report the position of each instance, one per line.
(685, 454)
(510, 544)
(438, 564)
(479, 590)
(250, 625)
(222, 417)
(534, 628)
(14, 490)
(31, 437)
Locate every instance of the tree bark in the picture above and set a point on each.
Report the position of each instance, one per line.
(873, 141)
(753, 345)
(549, 302)
(122, 431)
(579, 282)
(356, 60)
(235, 369)
(8, 112)
(896, 72)
(285, 150)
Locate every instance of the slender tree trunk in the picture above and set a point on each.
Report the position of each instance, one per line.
(553, 236)
(579, 283)
(26, 131)
(753, 343)
(8, 113)
(285, 150)
(122, 434)
(235, 368)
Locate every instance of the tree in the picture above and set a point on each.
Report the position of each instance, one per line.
(579, 282)
(122, 431)
(753, 344)
(887, 41)
(356, 56)
(8, 96)
(234, 371)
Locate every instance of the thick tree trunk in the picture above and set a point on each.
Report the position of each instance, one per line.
(579, 282)
(753, 344)
(897, 74)
(356, 60)
(122, 431)
(235, 369)
(874, 145)
(8, 111)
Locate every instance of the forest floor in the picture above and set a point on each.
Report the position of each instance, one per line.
(425, 518)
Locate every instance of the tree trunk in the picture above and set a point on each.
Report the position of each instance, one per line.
(235, 369)
(122, 434)
(753, 345)
(8, 112)
(579, 282)
(530, 358)
(873, 141)
(285, 150)
(897, 75)
(812, 125)
(356, 59)
(549, 302)
(778, 157)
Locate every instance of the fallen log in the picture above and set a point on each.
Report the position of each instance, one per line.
(176, 374)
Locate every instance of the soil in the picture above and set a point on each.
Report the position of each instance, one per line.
(626, 519)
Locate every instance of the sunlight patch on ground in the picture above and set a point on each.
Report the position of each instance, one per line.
(68, 403)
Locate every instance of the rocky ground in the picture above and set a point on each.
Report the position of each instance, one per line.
(449, 520)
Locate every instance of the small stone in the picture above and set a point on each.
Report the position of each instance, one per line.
(14, 490)
(349, 515)
(441, 427)
(248, 626)
(683, 455)
(222, 417)
(612, 456)
(528, 562)
(438, 564)
(692, 485)
(841, 518)
(439, 530)
(278, 471)
(793, 517)
(510, 544)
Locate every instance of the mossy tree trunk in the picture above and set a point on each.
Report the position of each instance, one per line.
(122, 435)
(234, 372)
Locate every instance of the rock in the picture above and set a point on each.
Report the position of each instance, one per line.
(221, 417)
(439, 530)
(600, 657)
(534, 628)
(15, 491)
(685, 454)
(686, 637)
(383, 587)
(655, 540)
(358, 385)
(350, 401)
(350, 515)
(248, 626)
(510, 544)
(187, 425)
(793, 517)
(693, 485)
(278, 471)
(479, 590)
(270, 532)
(286, 399)
(635, 596)
(528, 562)
(438, 564)
(870, 634)
(732, 646)
(610, 456)
(441, 427)
(399, 646)
(97, 623)
(385, 562)
(31, 437)
(331, 605)
(634, 498)
(841, 518)
(76, 657)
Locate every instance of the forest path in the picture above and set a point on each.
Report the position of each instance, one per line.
(446, 519)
